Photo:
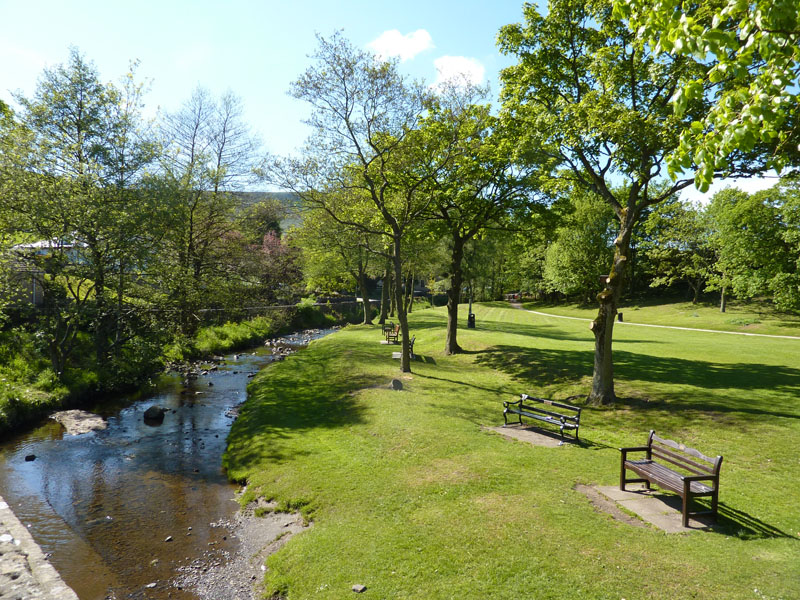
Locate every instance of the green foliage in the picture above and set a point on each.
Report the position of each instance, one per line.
(677, 246)
(753, 51)
(591, 109)
(756, 240)
(28, 388)
(582, 248)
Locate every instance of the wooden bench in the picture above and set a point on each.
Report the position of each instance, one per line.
(693, 469)
(392, 334)
(410, 350)
(564, 416)
(387, 327)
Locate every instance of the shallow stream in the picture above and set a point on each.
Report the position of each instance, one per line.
(124, 510)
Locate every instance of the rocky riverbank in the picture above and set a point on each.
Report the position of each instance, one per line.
(238, 575)
(25, 573)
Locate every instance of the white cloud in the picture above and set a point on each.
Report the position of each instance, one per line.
(458, 69)
(391, 44)
(751, 185)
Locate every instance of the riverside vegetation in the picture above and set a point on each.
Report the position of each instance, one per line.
(29, 388)
(413, 499)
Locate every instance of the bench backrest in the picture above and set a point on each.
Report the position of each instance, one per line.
(556, 405)
(680, 455)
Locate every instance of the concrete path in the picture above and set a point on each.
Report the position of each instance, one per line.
(629, 324)
(530, 434)
(653, 506)
(25, 573)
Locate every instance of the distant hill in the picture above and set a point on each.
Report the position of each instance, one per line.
(289, 201)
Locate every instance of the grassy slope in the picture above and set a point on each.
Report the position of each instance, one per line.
(410, 497)
(747, 318)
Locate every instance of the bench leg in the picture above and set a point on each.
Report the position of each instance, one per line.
(687, 496)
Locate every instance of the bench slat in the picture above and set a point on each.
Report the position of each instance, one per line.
(545, 418)
(686, 449)
(551, 402)
(666, 477)
(681, 461)
(543, 411)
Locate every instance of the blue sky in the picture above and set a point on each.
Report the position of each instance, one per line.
(255, 49)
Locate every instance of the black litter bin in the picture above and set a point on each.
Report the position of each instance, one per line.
(471, 321)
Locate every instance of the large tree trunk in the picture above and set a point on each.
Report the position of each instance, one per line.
(603, 326)
(387, 275)
(405, 358)
(454, 297)
(723, 300)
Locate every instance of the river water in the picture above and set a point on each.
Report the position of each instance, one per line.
(122, 511)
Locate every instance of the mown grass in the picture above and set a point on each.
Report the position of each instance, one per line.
(753, 317)
(412, 498)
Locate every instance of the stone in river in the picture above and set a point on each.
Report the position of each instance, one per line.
(154, 414)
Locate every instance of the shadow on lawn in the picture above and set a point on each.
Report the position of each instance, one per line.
(309, 391)
(543, 367)
(731, 521)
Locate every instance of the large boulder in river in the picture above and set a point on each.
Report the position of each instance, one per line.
(154, 414)
(76, 422)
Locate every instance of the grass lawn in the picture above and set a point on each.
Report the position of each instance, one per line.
(411, 497)
(753, 317)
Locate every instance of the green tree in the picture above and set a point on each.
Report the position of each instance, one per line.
(261, 219)
(209, 154)
(82, 151)
(786, 285)
(678, 246)
(753, 241)
(362, 114)
(583, 245)
(476, 189)
(593, 109)
(331, 259)
(753, 50)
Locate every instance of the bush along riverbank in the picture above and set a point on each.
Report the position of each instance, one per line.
(30, 388)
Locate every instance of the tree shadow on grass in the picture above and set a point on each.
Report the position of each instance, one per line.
(542, 367)
(458, 383)
(538, 365)
(308, 391)
(549, 332)
(737, 523)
